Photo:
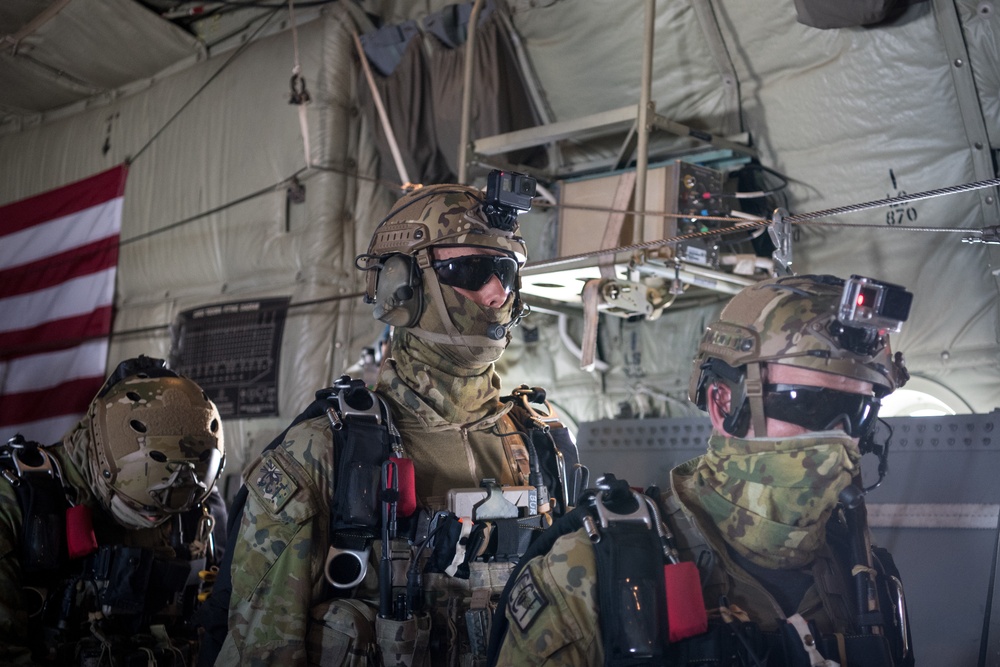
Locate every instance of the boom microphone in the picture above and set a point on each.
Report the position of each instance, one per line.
(496, 332)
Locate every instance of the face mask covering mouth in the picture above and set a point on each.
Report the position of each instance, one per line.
(466, 333)
(771, 498)
(132, 517)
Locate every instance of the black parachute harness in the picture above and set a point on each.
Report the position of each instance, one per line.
(631, 545)
(63, 565)
(37, 479)
(364, 439)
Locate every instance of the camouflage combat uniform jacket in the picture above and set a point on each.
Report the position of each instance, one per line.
(21, 635)
(280, 610)
(553, 610)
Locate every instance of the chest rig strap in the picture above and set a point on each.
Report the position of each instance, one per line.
(515, 450)
(37, 480)
(630, 577)
(364, 438)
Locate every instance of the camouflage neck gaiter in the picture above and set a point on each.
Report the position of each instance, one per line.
(458, 328)
(439, 393)
(771, 499)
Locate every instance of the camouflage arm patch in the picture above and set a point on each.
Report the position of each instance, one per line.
(526, 601)
(271, 483)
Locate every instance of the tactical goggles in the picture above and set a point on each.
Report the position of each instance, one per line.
(821, 409)
(472, 272)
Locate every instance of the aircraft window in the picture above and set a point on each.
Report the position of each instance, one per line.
(912, 403)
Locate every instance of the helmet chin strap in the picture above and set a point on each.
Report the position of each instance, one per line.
(755, 394)
(745, 394)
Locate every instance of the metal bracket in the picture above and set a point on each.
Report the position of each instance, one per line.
(640, 514)
(988, 235)
(494, 505)
(781, 234)
(624, 298)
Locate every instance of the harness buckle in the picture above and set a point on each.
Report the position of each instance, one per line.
(640, 514)
(28, 457)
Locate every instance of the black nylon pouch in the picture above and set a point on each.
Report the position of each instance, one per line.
(43, 544)
(631, 594)
(127, 578)
(358, 460)
(360, 500)
(445, 543)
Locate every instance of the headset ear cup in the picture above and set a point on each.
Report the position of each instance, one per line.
(398, 295)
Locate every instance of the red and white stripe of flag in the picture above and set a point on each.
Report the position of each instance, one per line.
(58, 258)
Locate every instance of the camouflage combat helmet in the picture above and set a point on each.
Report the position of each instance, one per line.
(399, 252)
(157, 445)
(792, 321)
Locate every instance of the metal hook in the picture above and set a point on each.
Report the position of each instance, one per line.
(780, 232)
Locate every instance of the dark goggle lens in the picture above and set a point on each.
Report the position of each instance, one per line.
(474, 271)
(819, 408)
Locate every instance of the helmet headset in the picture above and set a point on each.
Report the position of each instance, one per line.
(399, 259)
(820, 323)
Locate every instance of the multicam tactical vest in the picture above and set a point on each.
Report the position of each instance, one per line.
(463, 573)
(444, 589)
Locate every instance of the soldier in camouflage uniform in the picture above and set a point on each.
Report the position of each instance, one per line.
(444, 275)
(103, 534)
(790, 395)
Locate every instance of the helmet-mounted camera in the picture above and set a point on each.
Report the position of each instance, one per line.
(870, 303)
(868, 310)
(507, 194)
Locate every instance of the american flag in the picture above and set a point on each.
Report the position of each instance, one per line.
(58, 257)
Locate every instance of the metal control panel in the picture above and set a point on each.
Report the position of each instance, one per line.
(689, 190)
(673, 191)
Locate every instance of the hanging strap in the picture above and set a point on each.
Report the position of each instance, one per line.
(591, 297)
(616, 220)
(299, 95)
(390, 136)
(515, 450)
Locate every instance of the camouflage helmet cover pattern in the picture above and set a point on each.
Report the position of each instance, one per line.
(158, 445)
(437, 215)
(788, 321)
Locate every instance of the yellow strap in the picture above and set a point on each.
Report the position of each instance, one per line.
(842, 649)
